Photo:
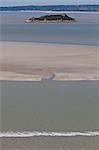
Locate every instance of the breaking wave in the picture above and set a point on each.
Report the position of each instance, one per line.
(47, 134)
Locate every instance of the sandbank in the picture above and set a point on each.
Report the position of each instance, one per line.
(37, 61)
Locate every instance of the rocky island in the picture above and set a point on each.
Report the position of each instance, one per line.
(51, 18)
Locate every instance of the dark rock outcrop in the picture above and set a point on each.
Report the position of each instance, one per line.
(51, 18)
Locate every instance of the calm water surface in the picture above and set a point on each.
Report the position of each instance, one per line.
(84, 31)
(50, 106)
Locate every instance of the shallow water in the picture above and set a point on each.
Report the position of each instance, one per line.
(57, 106)
(84, 31)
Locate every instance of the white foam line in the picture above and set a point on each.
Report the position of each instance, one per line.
(52, 134)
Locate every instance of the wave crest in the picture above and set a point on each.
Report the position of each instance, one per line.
(52, 134)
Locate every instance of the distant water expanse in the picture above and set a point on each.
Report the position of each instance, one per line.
(53, 8)
(84, 31)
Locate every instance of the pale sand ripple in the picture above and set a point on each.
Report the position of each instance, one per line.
(35, 61)
(21, 77)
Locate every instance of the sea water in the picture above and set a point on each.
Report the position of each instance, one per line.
(49, 108)
(84, 31)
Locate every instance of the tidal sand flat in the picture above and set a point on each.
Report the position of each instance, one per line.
(35, 61)
(50, 143)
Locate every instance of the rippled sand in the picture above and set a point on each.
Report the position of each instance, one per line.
(35, 61)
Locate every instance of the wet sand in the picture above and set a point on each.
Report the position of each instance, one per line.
(37, 61)
(50, 143)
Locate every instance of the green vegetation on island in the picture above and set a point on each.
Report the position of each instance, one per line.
(51, 18)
